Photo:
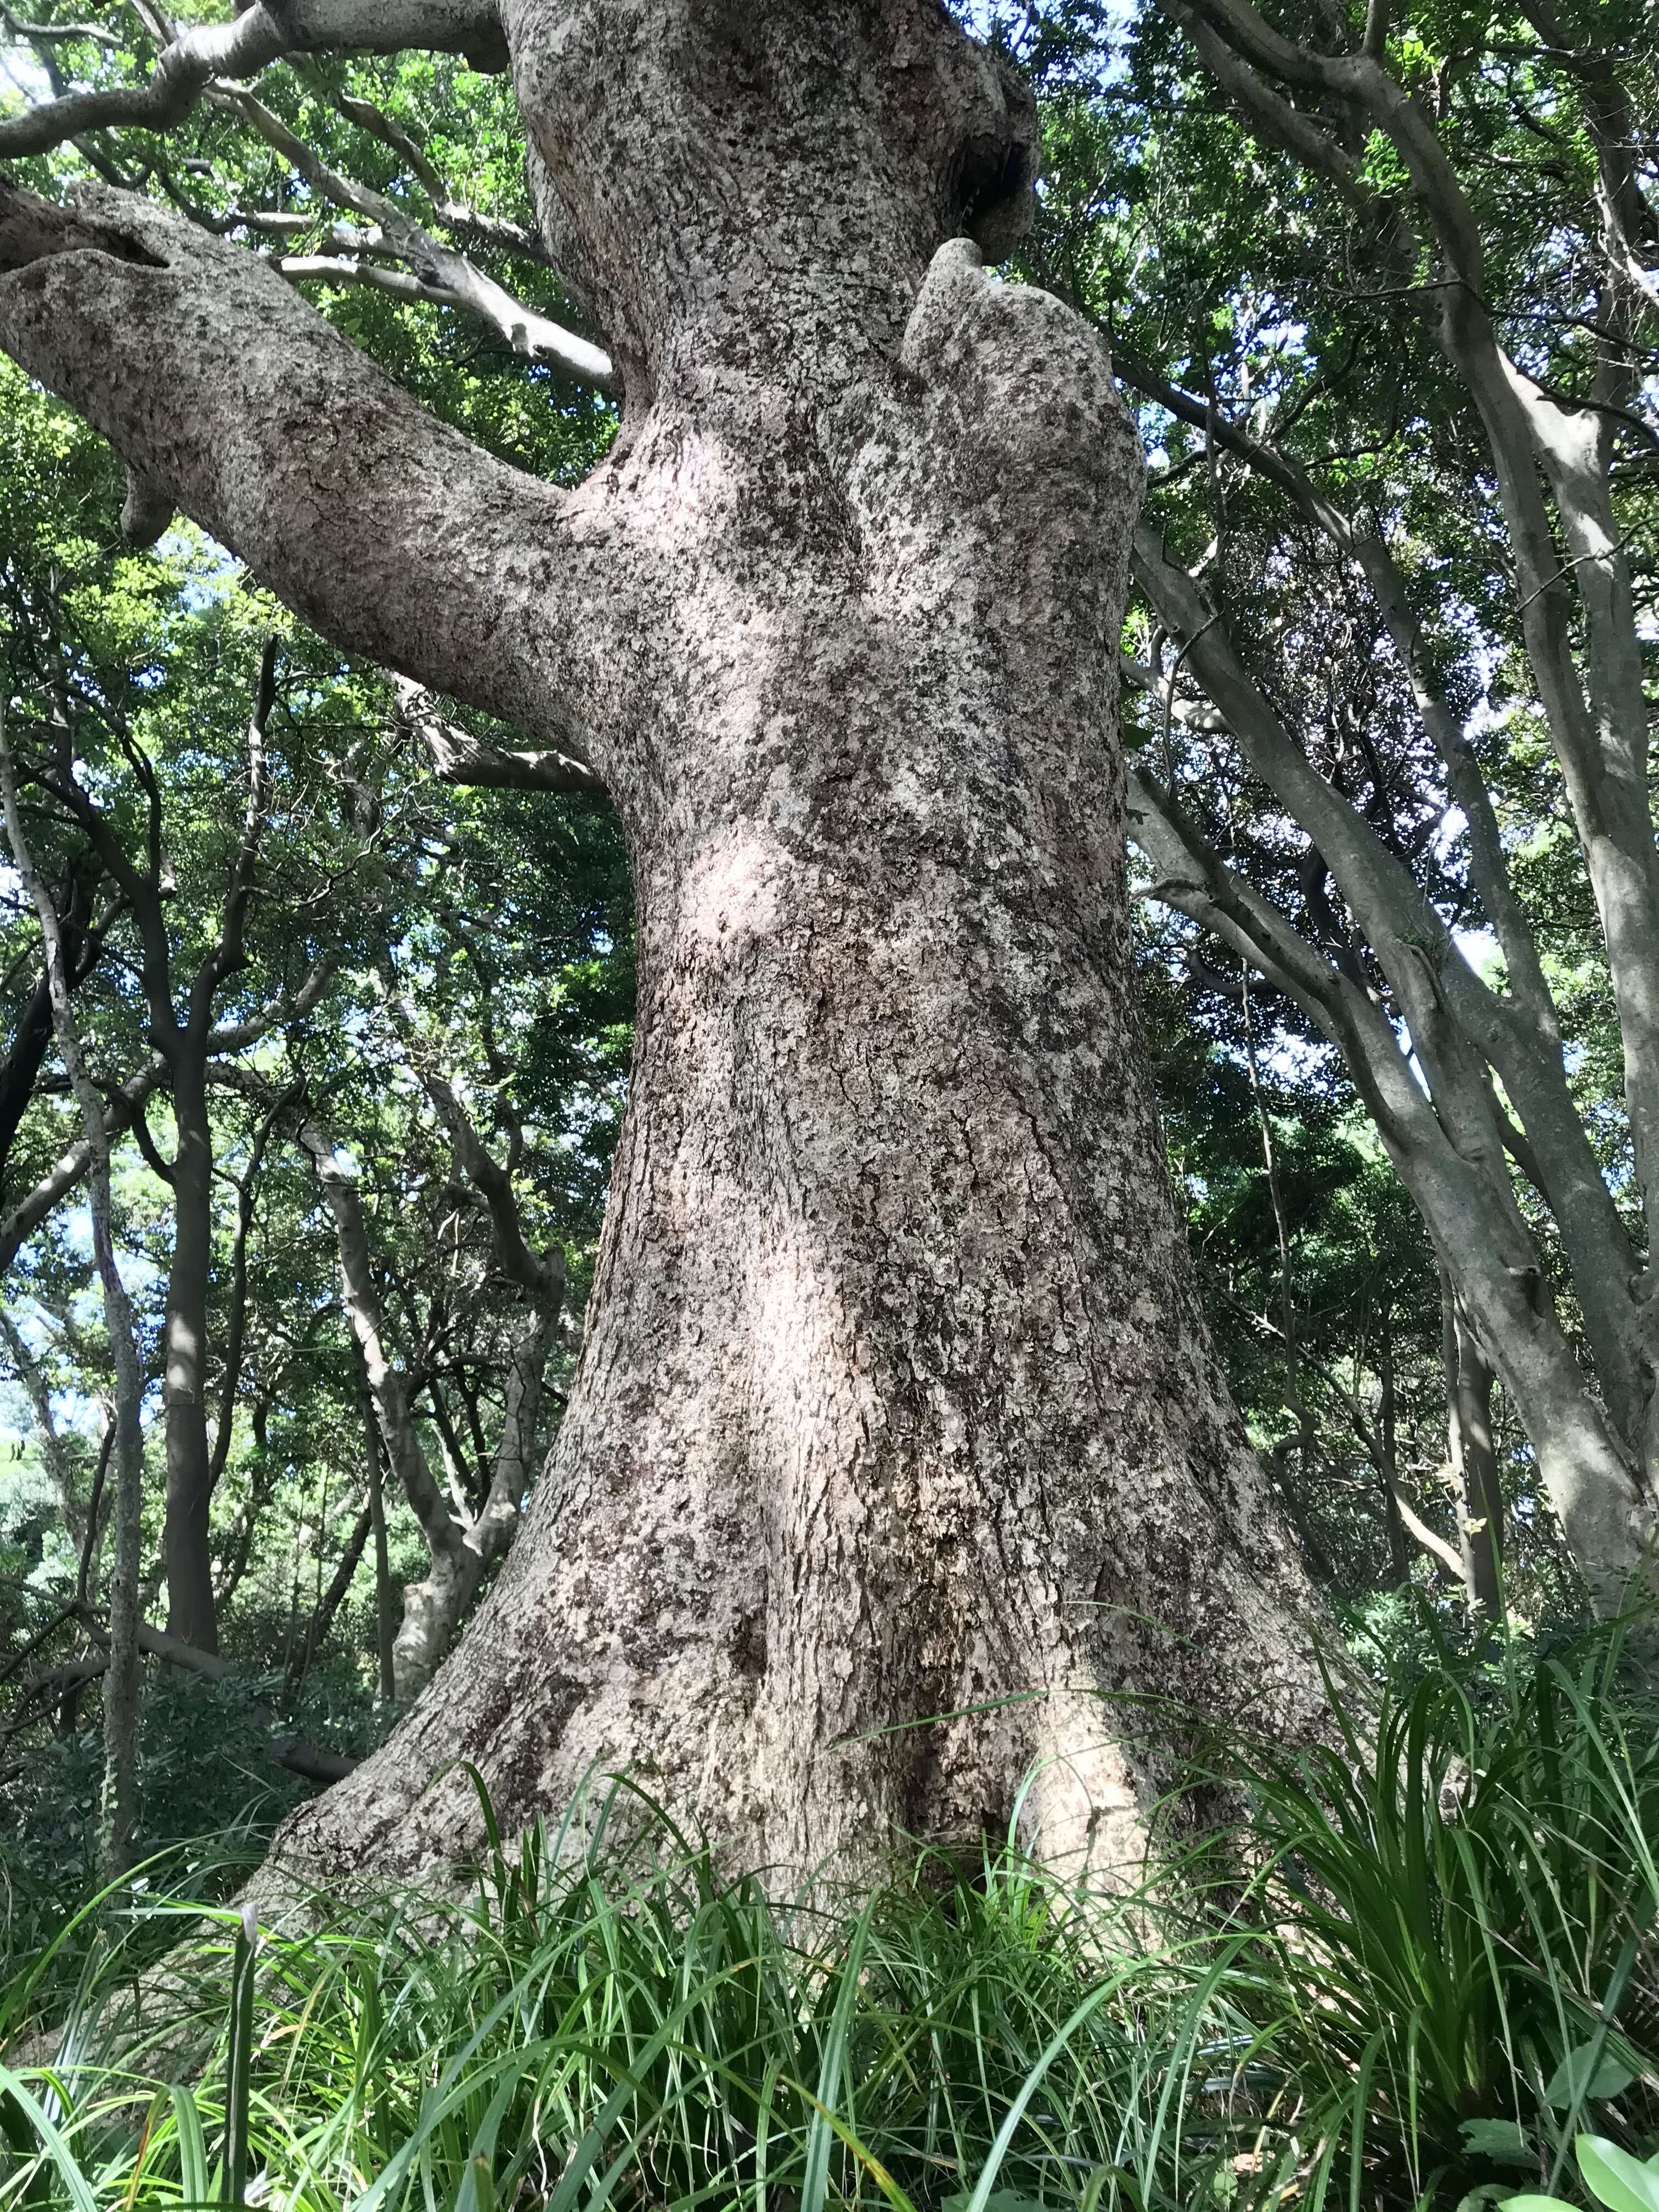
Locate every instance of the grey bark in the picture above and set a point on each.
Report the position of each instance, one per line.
(1398, 1555)
(897, 1438)
(1474, 1460)
(385, 1628)
(1596, 1435)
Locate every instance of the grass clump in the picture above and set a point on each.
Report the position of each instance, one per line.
(1449, 1955)
(1418, 1969)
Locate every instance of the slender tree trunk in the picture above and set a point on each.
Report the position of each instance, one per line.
(386, 1627)
(193, 1614)
(1399, 1558)
(1484, 1490)
(385, 1624)
(1296, 1401)
(329, 1600)
(460, 1550)
(1475, 1463)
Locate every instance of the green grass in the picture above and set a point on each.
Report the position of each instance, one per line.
(1418, 1972)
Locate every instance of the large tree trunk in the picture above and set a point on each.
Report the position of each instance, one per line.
(897, 1440)
(894, 1402)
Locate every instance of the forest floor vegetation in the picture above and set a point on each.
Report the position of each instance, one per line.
(1418, 1971)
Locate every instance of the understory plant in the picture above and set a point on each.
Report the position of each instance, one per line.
(1448, 1954)
(1416, 1970)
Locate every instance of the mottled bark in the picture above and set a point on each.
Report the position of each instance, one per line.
(898, 1445)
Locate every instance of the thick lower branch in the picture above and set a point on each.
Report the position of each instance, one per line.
(377, 524)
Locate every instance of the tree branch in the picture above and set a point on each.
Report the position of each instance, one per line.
(442, 271)
(290, 1749)
(541, 1273)
(1449, 1008)
(27, 1216)
(259, 35)
(388, 1386)
(456, 758)
(377, 524)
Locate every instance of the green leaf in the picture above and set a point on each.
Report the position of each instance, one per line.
(192, 2147)
(1582, 2075)
(56, 2148)
(477, 2189)
(1616, 2179)
(1532, 2204)
(1496, 2139)
(999, 2200)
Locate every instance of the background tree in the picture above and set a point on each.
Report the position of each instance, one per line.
(1395, 575)
(368, 870)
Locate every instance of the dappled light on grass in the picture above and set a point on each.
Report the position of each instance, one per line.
(1421, 1970)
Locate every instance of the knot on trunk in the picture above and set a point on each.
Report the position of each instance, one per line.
(993, 176)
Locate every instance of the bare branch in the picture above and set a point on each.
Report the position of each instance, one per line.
(457, 757)
(388, 1384)
(55, 35)
(541, 1273)
(1448, 1554)
(1274, 115)
(439, 267)
(1435, 986)
(287, 1007)
(290, 1749)
(253, 39)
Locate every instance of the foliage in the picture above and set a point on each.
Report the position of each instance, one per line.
(1417, 1973)
(1330, 556)
(1612, 2176)
(211, 1796)
(485, 937)
(1452, 1913)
